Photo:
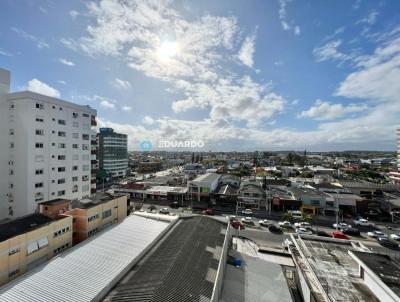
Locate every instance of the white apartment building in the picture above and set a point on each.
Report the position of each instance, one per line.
(45, 151)
(395, 176)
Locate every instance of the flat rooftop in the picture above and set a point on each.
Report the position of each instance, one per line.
(94, 200)
(330, 269)
(208, 177)
(22, 225)
(182, 267)
(54, 201)
(384, 267)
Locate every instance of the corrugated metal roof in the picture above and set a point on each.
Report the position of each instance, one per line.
(82, 272)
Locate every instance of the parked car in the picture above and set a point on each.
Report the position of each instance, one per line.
(395, 237)
(285, 224)
(209, 211)
(323, 234)
(376, 234)
(296, 214)
(341, 225)
(247, 220)
(339, 235)
(265, 222)
(362, 222)
(247, 212)
(386, 242)
(237, 225)
(302, 224)
(274, 229)
(351, 231)
(174, 205)
(151, 208)
(303, 231)
(164, 211)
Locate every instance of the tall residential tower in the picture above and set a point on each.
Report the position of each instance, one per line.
(395, 176)
(112, 152)
(47, 151)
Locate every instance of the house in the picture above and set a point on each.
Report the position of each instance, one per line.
(251, 195)
(201, 187)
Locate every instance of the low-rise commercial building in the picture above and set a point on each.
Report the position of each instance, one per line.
(251, 195)
(200, 188)
(29, 241)
(96, 213)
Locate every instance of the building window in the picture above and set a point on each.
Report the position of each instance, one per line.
(39, 185)
(75, 135)
(61, 248)
(61, 169)
(14, 251)
(85, 115)
(75, 157)
(75, 189)
(61, 157)
(39, 132)
(85, 156)
(61, 122)
(74, 146)
(75, 124)
(94, 217)
(62, 134)
(61, 231)
(11, 145)
(61, 193)
(85, 147)
(11, 106)
(85, 188)
(86, 126)
(40, 119)
(39, 171)
(11, 172)
(90, 233)
(13, 273)
(75, 114)
(85, 177)
(85, 168)
(39, 145)
(74, 178)
(60, 108)
(10, 185)
(11, 131)
(39, 106)
(106, 213)
(61, 145)
(61, 181)
(11, 163)
(74, 168)
(85, 137)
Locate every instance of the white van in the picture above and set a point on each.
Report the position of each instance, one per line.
(296, 214)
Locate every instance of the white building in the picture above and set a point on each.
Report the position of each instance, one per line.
(201, 187)
(395, 176)
(46, 150)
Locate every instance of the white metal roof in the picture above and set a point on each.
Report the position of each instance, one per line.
(82, 272)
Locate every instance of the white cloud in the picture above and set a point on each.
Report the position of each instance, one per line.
(37, 86)
(107, 104)
(40, 43)
(126, 108)
(62, 82)
(66, 62)
(73, 14)
(247, 50)
(330, 51)
(327, 111)
(370, 18)
(121, 84)
(148, 120)
(5, 53)
(285, 23)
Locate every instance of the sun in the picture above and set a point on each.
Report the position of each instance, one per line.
(167, 51)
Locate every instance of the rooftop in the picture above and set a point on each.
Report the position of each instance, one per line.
(331, 272)
(83, 272)
(384, 267)
(94, 200)
(54, 201)
(22, 225)
(178, 268)
(208, 177)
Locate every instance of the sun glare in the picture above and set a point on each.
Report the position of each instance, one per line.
(167, 51)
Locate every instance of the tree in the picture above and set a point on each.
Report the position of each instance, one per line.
(192, 157)
(197, 158)
(288, 216)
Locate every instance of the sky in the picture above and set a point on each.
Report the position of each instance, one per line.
(234, 75)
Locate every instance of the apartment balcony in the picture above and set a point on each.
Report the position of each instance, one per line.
(93, 121)
(93, 181)
(93, 162)
(93, 151)
(93, 142)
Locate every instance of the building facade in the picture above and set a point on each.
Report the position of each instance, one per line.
(395, 175)
(46, 150)
(31, 240)
(112, 152)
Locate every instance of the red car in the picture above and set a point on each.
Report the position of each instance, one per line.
(237, 225)
(209, 211)
(339, 235)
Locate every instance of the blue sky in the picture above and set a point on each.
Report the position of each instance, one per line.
(239, 75)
